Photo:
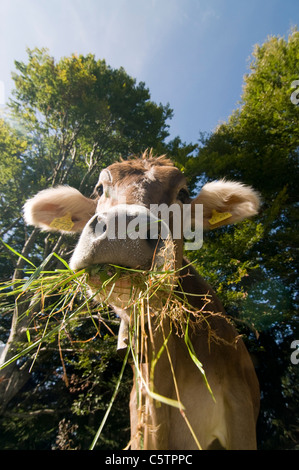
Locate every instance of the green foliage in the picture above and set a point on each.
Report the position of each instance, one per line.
(254, 265)
(227, 259)
(62, 409)
(259, 146)
(69, 119)
(85, 110)
(73, 117)
(70, 343)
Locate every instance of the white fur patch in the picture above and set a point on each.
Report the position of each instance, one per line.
(57, 203)
(150, 174)
(222, 196)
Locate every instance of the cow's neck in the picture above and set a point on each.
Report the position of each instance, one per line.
(152, 369)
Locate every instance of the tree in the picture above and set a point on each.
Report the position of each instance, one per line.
(73, 118)
(254, 266)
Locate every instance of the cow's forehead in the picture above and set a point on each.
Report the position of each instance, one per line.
(139, 170)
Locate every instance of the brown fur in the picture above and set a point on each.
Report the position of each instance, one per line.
(230, 421)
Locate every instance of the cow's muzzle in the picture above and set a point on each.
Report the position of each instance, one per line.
(125, 235)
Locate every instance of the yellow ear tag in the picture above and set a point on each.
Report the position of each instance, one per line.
(218, 217)
(63, 223)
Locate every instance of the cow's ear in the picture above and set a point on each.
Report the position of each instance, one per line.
(226, 202)
(62, 209)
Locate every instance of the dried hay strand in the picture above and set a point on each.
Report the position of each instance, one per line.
(149, 297)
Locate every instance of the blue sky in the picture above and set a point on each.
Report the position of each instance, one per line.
(191, 54)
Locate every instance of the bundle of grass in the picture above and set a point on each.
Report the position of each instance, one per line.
(149, 301)
(151, 305)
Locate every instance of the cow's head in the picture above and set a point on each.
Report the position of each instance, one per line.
(118, 224)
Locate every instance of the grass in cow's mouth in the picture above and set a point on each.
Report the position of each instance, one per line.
(53, 300)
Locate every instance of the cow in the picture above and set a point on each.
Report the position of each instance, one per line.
(219, 412)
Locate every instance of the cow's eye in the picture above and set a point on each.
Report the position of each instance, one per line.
(99, 190)
(183, 195)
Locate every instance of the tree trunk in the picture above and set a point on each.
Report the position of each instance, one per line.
(15, 375)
